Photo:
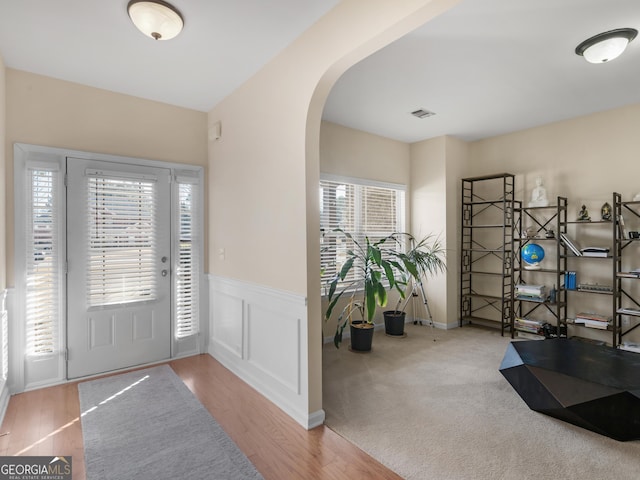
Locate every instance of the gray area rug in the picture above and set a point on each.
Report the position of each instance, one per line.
(148, 425)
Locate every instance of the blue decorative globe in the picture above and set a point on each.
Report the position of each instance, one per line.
(532, 253)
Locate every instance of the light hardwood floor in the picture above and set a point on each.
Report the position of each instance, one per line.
(47, 422)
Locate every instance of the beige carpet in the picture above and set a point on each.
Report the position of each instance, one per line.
(441, 410)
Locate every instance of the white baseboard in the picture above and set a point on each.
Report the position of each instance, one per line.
(316, 419)
(260, 334)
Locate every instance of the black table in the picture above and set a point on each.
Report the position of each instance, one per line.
(592, 386)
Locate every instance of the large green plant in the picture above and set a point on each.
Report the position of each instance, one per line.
(377, 267)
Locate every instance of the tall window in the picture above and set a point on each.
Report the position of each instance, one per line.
(361, 208)
(188, 271)
(42, 266)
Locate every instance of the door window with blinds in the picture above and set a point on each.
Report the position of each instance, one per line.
(361, 208)
(122, 239)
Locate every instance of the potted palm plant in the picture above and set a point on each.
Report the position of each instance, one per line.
(364, 278)
(369, 271)
(426, 257)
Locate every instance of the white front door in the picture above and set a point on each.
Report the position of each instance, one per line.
(119, 266)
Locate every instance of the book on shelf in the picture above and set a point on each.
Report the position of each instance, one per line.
(528, 325)
(567, 242)
(598, 317)
(526, 289)
(595, 287)
(596, 324)
(595, 252)
(593, 320)
(570, 280)
(629, 311)
(533, 293)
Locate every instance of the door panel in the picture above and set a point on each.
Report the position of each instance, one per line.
(119, 278)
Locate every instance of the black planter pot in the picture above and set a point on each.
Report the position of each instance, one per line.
(394, 323)
(361, 336)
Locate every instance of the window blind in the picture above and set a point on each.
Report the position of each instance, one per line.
(121, 240)
(42, 262)
(363, 210)
(187, 271)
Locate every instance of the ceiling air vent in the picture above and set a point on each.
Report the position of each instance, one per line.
(422, 113)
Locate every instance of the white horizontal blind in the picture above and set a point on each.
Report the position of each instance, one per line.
(122, 240)
(42, 266)
(188, 270)
(359, 209)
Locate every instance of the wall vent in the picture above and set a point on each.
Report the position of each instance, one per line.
(422, 113)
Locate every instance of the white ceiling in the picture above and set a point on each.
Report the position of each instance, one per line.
(485, 67)
(93, 42)
(488, 67)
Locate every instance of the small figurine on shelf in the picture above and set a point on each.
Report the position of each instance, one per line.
(606, 211)
(583, 215)
(550, 233)
(539, 195)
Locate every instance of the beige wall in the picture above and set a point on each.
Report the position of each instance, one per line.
(584, 159)
(264, 171)
(353, 153)
(428, 209)
(3, 195)
(457, 165)
(45, 111)
(436, 167)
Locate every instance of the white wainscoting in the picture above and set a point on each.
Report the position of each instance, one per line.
(260, 334)
(4, 354)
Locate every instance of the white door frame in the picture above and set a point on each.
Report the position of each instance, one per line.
(27, 373)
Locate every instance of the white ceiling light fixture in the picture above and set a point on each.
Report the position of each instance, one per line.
(606, 46)
(156, 19)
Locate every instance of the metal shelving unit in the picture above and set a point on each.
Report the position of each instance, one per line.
(575, 294)
(486, 254)
(626, 284)
(547, 224)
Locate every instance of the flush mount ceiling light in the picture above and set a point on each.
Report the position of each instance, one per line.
(156, 19)
(606, 46)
